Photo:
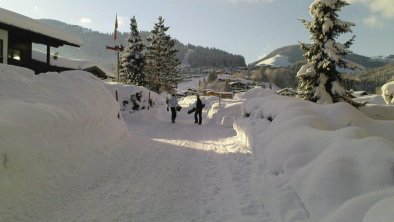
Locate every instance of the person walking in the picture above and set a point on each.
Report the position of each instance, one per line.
(172, 104)
(198, 113)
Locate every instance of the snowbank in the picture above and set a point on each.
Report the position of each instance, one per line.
(132, 98)
(253, 93)
(375, 107)
(320, 162)
(371, 99)
(51, 127)
(388, 92)
(224, 114)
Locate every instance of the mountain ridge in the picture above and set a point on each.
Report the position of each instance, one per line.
(94, 48)
(295, 54)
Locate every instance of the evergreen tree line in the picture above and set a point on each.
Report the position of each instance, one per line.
(211, 57)
(93, 48)
(153, 64)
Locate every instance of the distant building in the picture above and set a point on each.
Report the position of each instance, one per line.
(18, 33)
(223, 95)
(287, 92)
(238, 86)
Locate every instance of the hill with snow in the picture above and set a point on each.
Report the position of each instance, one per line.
(70, 152)
(294, 54)
(276, 62)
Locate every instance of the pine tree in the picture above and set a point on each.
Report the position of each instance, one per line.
(133, 60)
(161, 62)
(319, 79)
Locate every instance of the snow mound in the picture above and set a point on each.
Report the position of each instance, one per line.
(388, 92)
(225, 114)
(51, 126)
(132, 98)
(371, 99)
(328, 168)
(252, 93)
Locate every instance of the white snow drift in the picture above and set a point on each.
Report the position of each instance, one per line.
(388, 92)
(51, 126)
(66, 156)
(320, 162)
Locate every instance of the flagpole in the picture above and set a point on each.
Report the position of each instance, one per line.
(117, 48)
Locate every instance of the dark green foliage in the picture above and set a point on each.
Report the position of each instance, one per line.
(364, 61)
(161, 62)
(211, 57)
(133, 60)
(373, 79)
(319, 80)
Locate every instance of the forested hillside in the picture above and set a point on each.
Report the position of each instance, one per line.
(373, 79)
(204, 56)
(94, 44)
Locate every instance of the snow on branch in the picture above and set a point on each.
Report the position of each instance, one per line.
(307, 70)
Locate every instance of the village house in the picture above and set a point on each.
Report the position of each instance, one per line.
(238, 86)
(223, 95)
(18, 33)
(287, 92)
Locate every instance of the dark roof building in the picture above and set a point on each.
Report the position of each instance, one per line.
(17, 35)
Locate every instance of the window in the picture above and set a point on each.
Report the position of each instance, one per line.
(1, 51)
(15, 54)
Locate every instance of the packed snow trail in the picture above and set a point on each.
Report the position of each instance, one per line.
(169, 172)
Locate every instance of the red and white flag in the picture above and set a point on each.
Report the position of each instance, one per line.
(116, 27)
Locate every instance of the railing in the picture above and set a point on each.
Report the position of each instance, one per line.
(36, 66)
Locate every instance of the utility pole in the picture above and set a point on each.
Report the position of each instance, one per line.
(117, 49)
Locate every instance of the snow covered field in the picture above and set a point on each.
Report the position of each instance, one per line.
(65, 156)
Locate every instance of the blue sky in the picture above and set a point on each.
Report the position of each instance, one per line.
(252, 28)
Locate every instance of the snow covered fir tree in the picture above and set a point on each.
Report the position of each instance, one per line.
(161, 63)
(133, 60)
(319, 79)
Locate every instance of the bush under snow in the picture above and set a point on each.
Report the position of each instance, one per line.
(132, 98)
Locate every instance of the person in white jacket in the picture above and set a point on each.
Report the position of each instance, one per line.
(172, 104)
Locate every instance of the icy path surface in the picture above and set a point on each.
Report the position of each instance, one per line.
(169, 172)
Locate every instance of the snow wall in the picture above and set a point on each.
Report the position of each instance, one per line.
(51, 126)
(320, 163)
(133, 98)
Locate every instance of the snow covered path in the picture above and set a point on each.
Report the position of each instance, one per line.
(169, 172)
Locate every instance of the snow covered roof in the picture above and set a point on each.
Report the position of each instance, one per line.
(68, 63)
(276, 61)
(286, 90)
(23, 22)
(224, 77)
